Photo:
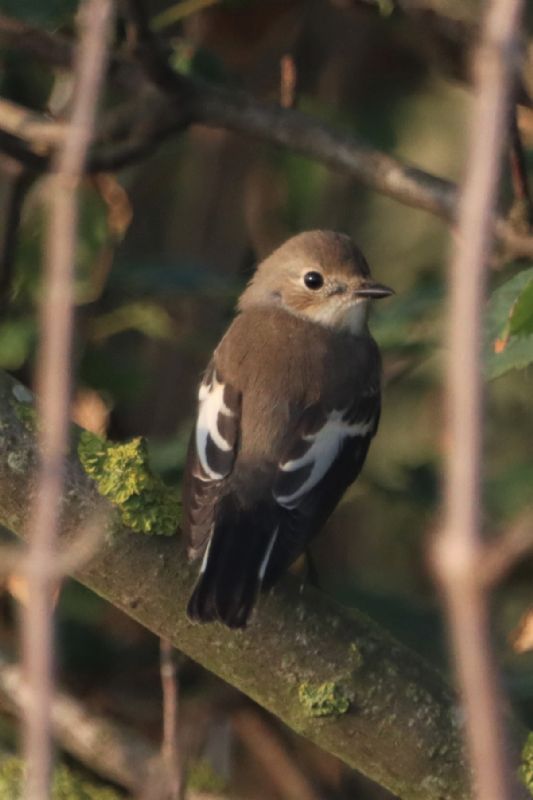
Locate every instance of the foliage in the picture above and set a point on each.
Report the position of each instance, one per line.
(122, 474)
(17, 337)
(510, 325)
(66, 784)
(521, 317)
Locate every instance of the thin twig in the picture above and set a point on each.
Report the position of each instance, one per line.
(265, 745)
(171, 747)
(113, 750)
(54, 384)
(182, 101)
(459, 548)
(37, 129)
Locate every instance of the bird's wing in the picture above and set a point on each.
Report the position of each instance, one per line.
(320, 439)
(324, 457)
(211, 455)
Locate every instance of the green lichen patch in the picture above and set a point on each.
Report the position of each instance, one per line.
(323, 700)
(526, 770)
(123, 475)
(27, 414)
(66, 784)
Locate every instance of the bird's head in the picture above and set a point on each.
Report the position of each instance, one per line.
(319, 275)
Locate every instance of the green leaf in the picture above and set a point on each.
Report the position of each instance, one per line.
(521, 320)
(16, 341)
(504, 350)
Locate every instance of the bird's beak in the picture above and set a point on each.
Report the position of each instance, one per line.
(373, 290)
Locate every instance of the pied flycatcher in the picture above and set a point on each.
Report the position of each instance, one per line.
(287, 408)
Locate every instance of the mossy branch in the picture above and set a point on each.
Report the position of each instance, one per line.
(329, 673)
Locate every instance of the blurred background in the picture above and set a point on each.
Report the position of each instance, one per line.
(167, 245)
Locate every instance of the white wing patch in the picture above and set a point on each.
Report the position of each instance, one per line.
(264, 563)
(211, 404)
(325, 446)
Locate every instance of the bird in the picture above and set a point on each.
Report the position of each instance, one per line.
(287, 408)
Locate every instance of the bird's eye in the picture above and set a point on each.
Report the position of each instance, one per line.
(313, 280)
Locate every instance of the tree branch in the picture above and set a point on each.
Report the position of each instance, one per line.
(33, 128)
(391, 716)
(179, 101)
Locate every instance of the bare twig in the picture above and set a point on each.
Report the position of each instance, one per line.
(38, 130)
(106, 747)
(112, 750)
(183, 101)
(459, 548)
(171, 749)
(257, 737)
(53, 382)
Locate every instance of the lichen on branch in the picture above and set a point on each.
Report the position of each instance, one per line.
(325, 700)
(122, 474)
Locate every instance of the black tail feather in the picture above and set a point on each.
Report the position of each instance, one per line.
(231, 577)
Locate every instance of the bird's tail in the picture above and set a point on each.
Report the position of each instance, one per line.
(233, 566)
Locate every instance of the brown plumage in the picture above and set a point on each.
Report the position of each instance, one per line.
(288, 407)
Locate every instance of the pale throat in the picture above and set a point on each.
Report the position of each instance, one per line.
(348, 317)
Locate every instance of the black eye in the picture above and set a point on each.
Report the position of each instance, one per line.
(313, 280)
